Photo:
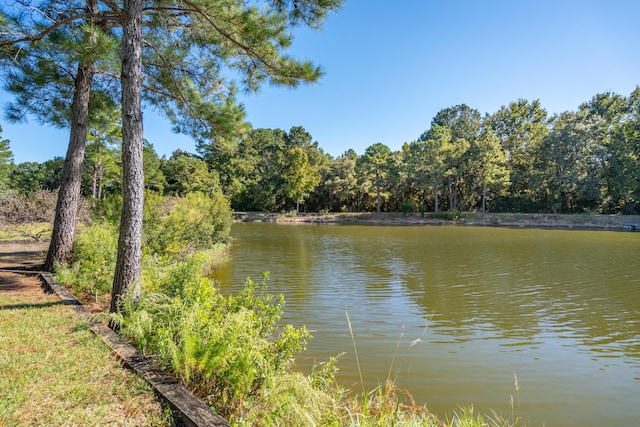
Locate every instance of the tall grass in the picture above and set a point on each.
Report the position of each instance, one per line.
(389, 405)
(229, 350)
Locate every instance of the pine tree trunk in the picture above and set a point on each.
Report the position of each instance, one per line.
(378, 189)
(484, 197)
(99, 179)
(129, 259)
(64, 224)
(455, 192)
(435, 189)
(94, 181)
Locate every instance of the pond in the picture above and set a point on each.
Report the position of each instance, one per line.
(541, 324)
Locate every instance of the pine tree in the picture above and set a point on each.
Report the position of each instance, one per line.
(6, 161)
(188, 48)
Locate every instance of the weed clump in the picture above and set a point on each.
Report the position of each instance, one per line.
(230, 351)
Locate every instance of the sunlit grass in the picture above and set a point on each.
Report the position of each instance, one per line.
(37, 231)
(55, 372)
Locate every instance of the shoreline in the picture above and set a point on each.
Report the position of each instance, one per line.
(507, 220)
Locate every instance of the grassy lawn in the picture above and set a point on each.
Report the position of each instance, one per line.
(54, 371)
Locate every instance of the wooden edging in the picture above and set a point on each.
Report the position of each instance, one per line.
(192, 410)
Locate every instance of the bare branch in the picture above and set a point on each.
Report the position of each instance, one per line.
(45, 32)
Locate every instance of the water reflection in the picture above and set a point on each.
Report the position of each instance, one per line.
(453, 312)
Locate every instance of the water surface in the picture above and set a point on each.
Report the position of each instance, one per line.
(456, 314)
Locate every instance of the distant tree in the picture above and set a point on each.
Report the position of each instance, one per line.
(521, 127)
(427, 160)
(26, 177)
(186, 173)
(101, 164)
(258, 165)
(490, 164)
(572, 166)
(53, 170)
(400, 186)
(375, 166)
(341, 182)
(154, 178)
(300, 177)
(619, 117)
(463, 124)
(298, 137)
(6, 162)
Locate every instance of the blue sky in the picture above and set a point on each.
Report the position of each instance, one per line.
(392, 65)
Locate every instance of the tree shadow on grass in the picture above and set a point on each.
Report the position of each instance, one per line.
(27, 306)
(27, 285)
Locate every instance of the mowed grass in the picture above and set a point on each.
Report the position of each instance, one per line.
(55, 372)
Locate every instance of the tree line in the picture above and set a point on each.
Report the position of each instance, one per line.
(517, 159)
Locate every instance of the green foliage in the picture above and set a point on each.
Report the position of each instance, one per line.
(172, 227)
(267, 168)
(450, 215)
(154, 179)
(340, 183)
(108, 208)
(407, 206)
(186, 173)
(229, 350)
(94, 255)
(374, 168)
(188, 224)
(27, 177)
(6, 162)
(300, 178)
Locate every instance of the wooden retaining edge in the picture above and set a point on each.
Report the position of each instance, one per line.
(193, 411)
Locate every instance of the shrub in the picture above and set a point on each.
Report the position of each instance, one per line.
(94, 260)
(450, 215)
(31, 215)
(108, 208)
(228, 350)
(185, 225)
(406, 206)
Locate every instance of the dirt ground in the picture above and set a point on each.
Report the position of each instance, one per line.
(21, 255)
